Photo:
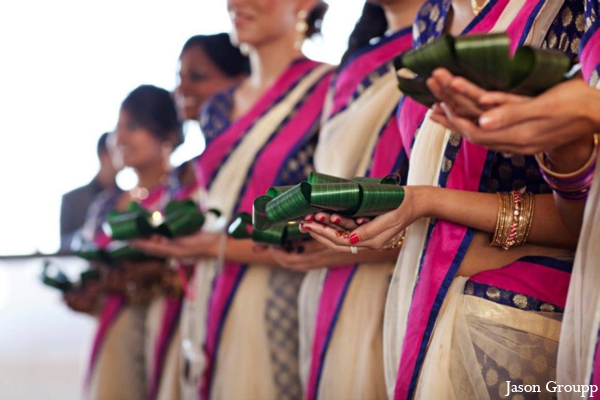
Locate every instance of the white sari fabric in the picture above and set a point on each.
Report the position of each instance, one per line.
(120, 371)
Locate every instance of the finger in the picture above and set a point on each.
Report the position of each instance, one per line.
(435, 87)
(509, 115)
(333, 235)
(379, 241)
(495, 99)
(440, 118)
(343, 222)
(375, 227)
(345, 248)
(467, 89)
(322, 216)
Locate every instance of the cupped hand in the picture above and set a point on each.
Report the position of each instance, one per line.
(197, 245)
(85, 299)
(335, 221)
(559, 117)
(143, 273)
(305, 256)
(382, 231)
(456, 93)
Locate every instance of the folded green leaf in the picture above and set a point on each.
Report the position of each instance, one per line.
(180, 218)
(52, 276)
(359, 197)
(484, 60)
(278, 234)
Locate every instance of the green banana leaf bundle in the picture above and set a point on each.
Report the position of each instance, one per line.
(54, 277)
(181, 218)
(357, 197)
(279, 234)
(484, 60)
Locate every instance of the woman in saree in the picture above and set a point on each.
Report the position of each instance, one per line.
(207, 65)
(559, 124)
(240, 331)
(141, 299)
(465, 319)
(358, 138)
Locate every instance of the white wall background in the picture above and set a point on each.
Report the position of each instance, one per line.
(66, 65)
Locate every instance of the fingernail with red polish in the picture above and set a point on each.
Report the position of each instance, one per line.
(354, 238)
(336, 220)
(322, 219)
(310, 217)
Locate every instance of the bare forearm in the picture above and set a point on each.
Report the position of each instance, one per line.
(566, 159)
(243, 251)
(480, 211)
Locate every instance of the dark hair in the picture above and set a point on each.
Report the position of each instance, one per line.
(219, 49)
(371, 24)
(101, 146)
(314, 20)
(154, 109)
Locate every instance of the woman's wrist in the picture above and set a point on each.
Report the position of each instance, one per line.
(423, 200)
(571, 156)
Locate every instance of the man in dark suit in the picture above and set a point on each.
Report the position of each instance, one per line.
(74, 204)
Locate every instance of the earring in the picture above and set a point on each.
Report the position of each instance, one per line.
(301, 29)
(244, 49)
(167, 149)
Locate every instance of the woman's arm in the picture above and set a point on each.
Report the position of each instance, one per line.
(472, 209)
(205, 245)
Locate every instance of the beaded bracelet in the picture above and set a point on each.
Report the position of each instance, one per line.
(573, 186)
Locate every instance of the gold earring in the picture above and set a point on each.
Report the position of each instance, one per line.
(301, 29)
(244, 49)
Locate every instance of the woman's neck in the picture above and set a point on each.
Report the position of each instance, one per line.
(401, 14)
(461, 16)
(151, 175)
(271, 59)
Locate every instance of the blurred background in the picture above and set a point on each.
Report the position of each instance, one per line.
(65, 66)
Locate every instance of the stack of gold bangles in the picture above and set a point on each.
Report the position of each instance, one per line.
(515, 217)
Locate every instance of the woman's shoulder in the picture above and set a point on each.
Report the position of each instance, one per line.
(216, 113)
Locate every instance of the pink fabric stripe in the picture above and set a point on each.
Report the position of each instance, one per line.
(352, 75)
(333, 290)
(487, 23)
(269, 162)
(386, 150)
(442, 248)
(110, 310)
(517, 26)
(544, 283)
(218, 149)
(596, 366)
(168, 321)
(411, 115)
(590, 55)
